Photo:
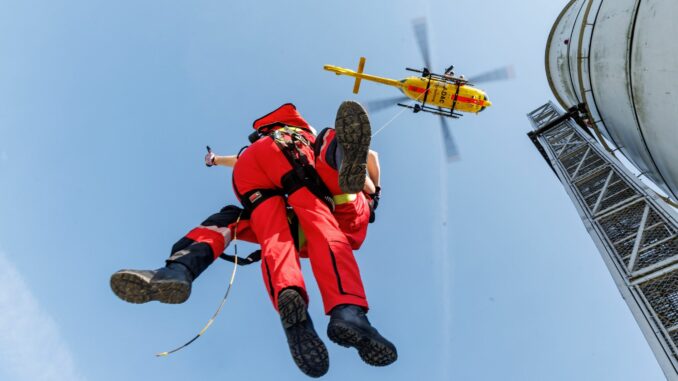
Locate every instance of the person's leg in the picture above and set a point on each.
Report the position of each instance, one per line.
(353, 136)
(329, 251)
(190, 256)
(352, 211)
(202, 245)
(349, 326)
(353, 218)
(261, 166)
(280, 265)
(338, 278)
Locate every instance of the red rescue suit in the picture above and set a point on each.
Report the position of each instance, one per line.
(262, 167)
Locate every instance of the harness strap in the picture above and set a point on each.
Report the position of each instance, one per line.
(255, 197)
(241, 151)
(290, 182)
(248, 260)
(303, 174)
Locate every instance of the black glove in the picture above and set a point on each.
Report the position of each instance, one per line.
(374, 203)
(375, 198)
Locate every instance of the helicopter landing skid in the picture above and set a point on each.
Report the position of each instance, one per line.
(441, 77)
(417, 108)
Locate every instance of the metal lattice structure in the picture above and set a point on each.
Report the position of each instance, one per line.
(636, 233)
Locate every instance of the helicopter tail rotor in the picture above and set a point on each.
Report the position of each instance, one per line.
(358, 79)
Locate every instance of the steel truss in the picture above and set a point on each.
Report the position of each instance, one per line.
(636, 233)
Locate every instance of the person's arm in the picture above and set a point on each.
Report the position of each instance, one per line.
(369, 187)
(373, 180)
(226, 161)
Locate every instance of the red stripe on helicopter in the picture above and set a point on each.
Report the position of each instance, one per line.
(462, 99)
(478, 102)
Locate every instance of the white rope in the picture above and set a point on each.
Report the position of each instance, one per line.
(389, 122)
(223, 301)
(396, 116)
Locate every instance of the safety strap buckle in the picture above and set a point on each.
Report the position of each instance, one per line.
(255, 197)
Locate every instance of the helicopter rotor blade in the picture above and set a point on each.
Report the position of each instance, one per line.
(451, 150)
(382, 104)
(500, 74)
(421, 34)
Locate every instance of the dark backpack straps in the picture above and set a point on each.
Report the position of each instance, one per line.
(248, 260)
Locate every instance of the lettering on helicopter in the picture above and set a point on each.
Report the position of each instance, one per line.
(443, 94)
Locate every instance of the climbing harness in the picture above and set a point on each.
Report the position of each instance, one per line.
(302, 175)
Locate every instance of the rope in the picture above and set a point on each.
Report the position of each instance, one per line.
(395, 117)
(223, 301)
(389, 122)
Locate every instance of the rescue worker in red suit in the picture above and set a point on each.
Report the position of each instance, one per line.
(202, 245)
(284, 160)
(353, 211)
(260, 177)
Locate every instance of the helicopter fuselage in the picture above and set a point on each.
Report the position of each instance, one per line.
(443, 94)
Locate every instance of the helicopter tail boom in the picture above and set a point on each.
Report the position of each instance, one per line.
(359, 76)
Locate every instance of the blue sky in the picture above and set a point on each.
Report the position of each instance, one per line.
(105, 109)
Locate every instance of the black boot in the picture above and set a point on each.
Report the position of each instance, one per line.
(308, 351)
(170, 284)
(353, 135)
(349, 327)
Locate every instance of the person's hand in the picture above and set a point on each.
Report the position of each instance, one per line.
(210, 157)
(375, 198)
(374, 203)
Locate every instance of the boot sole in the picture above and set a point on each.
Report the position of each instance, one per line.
(354, 134)
(308, 351)
(371, 351)
(133, 288)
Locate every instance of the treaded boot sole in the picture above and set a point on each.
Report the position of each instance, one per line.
(133, 287)
(308, 351)
(371, 351)
(353, 134)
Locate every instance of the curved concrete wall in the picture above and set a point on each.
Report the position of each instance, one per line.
(621, 58)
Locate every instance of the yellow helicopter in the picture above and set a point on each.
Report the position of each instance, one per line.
(446, 95)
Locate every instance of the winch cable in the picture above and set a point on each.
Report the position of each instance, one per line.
(396, 116)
